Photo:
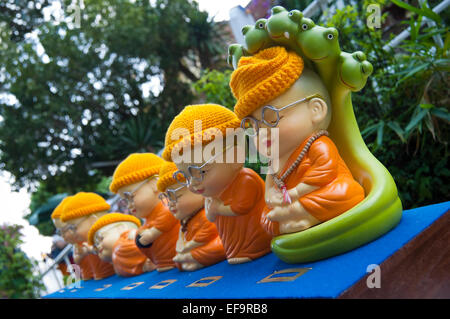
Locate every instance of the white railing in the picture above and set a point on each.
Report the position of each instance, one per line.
(404, 34)
(63, 255)
(314, 6)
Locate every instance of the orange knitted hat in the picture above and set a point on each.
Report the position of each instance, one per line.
(59, 209)
(108, 219)
(260, 78)
(135, 168)
(166, 176)
(195, 125)
(83, 204)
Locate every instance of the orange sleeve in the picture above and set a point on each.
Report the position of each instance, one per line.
(245, 194)
(272, 228)
(324, 158)
(205, 230)
(210, 253)
(163, 220)
(86, 269)
(127, 258)
(101, 269)
(334, 199)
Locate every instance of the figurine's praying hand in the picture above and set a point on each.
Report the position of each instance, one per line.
(86, 249)
(187, 246)
(184, 258)
(148, 236)
(187, 262)
(80, 251)
(292, 217)
(210, 209)
(132, 234)
(148, 266)
(274, 198)
(214, 206)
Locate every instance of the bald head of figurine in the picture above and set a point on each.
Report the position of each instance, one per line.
(300, 111)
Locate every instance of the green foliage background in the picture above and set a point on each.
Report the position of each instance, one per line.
(403, 110)
(17, 278)
(81, 108)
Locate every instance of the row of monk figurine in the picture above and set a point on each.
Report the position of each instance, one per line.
(200, 211)
(187, 211)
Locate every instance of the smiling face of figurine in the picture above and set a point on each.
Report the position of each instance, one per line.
(216, 175)
(145, 197)
(58, 223)
(296, 123)
(66, 234)
(80, 226)
(187, 203)
(104, 244)
(106, 237)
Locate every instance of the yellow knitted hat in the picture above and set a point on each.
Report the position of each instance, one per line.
(83, 204)
(59, 209)
(135, 168)
(260, 78)
(166, 176)
(108, 219)
(201, 121)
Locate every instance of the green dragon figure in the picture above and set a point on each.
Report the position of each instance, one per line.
(342, 73)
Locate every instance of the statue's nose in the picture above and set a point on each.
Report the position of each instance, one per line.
(245, 29)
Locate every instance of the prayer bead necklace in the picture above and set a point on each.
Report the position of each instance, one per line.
(280, 181)
(184, 223)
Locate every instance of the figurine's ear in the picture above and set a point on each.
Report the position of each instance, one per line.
(239, 153)
(153, 185)
(318, 109)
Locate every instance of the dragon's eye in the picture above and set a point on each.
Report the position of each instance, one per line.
(304, 26)
(261, 25)
(330, 36)
(291, 14)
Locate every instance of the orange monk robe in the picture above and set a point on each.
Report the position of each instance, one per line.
(201, 230)
(63, 269)
(243, 235)
(322, 166)
(101, 269)
(127, 259)
(85, 268)
(162, 251)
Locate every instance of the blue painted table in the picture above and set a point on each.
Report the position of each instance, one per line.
(261, 278)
